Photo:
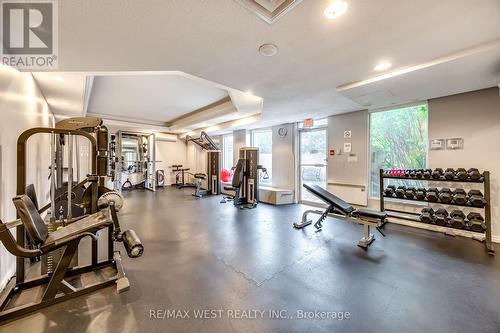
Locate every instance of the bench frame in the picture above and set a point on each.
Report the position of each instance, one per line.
(346, 215)
(364, 242)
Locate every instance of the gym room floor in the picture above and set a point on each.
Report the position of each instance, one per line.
(201, 254)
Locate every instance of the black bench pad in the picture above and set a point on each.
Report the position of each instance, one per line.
(330, 199)
(91, 223)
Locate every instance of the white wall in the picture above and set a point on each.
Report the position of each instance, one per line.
(341, 170)
(170, 153)
(284, 157)
(475, 117)
(22, 106)
(240, 139)
(189, 155)
(349, 171)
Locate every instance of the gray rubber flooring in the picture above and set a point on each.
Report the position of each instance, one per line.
(258, 274)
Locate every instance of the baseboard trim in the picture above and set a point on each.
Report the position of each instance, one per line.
(495, 239)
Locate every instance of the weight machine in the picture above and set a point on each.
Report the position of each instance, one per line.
(58, 236)
(246, 179)
(213, 167)
(133, 160)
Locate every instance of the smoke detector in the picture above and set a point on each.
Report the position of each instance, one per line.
(268, 50)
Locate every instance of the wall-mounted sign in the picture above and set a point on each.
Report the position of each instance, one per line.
(347, 134)
(347, 147)
(437, 144)
(455, 143)
(352, 158)
(308, 123)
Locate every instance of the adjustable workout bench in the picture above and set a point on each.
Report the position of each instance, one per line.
(341, 209)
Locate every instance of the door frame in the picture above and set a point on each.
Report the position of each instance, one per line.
(300, 165)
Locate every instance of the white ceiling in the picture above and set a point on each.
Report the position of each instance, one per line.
(152, 98)
(169, 101)
(219, 41)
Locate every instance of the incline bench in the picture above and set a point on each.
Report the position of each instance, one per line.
(339, 208)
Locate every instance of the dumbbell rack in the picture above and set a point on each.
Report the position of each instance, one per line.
(400, 214)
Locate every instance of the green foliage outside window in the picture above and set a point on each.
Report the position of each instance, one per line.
(398, 141)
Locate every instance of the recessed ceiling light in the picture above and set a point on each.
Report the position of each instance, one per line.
(384, 65)
(59, 78)
(268, 50)
(335, 9)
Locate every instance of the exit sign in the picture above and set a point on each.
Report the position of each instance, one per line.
(309, 122)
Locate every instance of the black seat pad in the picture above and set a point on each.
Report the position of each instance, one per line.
(90, 223)
(374, 214)
(330, 199)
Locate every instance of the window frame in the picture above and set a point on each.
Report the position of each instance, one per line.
(252, 143)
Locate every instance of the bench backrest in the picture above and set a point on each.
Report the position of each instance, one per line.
(238, 173)
(330, 199)
(32, 221)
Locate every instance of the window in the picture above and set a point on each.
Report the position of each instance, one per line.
(263, 139)
(398, 140)
(227, 153)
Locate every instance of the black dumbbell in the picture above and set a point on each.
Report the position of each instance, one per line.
(459, 196)
(407, 173)
(427, 173)
(432, 194)
(449, 174)
(427, 215)
(441, 216)
(474, 174)
(419, 173)
(457, 219)
(476, 222)
(389, 191)
(445, 195)
(400, 191)
(410, 193)
(437, 173)
(476, 199)
(462, 174)
(420, 193)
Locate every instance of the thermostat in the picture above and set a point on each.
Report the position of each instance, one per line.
(437, 144)
(455, 143)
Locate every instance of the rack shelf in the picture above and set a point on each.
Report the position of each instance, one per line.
(442, 179)
(485, 181)
(432, 202)
(400, 215)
